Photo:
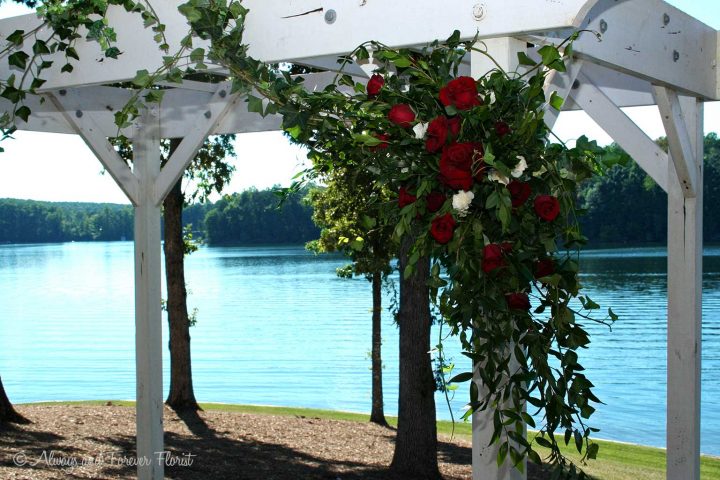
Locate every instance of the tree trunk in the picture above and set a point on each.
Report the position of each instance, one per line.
(377, 415)
(416, 441)
(181, 395)
(7, 412)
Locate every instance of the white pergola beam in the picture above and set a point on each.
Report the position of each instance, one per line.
(339, 26)
(148, 314)
(85, 125)
(684, 347)
(679, 140)
(623, 130)
(201, 126)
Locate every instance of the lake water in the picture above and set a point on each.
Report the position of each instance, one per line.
(277, 327)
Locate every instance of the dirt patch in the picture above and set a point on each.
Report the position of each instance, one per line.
(73, 442)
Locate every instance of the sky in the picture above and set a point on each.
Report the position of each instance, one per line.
(55, 167)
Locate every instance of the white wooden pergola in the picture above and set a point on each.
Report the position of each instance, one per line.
(650, 54)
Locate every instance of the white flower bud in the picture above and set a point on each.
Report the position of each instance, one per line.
(497, 176)
(520, 167)
(461, 202)
(420, 130)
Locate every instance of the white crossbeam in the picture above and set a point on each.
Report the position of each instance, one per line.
(85, 125)
(202, 126)
(679, 141)
(623, 130)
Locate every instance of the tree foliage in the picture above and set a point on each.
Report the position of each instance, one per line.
(257, 217)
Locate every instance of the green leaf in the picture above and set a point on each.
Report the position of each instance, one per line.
(142, 78)
(255, 104)
(593, 450)
(461, 377)
(502, 453)
(556, 101)
(19, 60)
(549, 54)
(16, 38)
(23, 112)
(525, 60)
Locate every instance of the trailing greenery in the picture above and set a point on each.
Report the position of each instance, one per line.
(257, 217)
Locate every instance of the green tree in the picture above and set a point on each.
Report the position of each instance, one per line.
(349, 211)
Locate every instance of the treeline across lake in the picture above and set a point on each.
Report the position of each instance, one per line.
(250, 217)
(623, 207)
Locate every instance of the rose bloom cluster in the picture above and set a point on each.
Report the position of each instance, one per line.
(454, 143)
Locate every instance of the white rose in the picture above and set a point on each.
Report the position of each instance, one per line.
(497, 176)
(520, 167)
(461, 202)
(420, 130)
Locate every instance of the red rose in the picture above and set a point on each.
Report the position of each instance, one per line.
(544, 267)
(443, 228)
(461, 93)
(506, 247)
(502, 128)
(383, 137)
(456, 165)
(454, 126)
(519, 193)
(518, 301)
(374, 85)
(401, 114)
(435, 201)
(492, 258)
(437, 133)
(547, 207)
(405, 198)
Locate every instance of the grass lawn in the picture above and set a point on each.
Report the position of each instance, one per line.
(616, 461)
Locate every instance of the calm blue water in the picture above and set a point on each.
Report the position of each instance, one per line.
(276, 326)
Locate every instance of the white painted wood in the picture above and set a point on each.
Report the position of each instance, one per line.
(148, 315)
(84, 124)
(635, 40)
(560, 83)
(679, 141)
(685, 245)
(202, 126)
(623, 130)
(622, 89)
(646, 50)
(484, 456)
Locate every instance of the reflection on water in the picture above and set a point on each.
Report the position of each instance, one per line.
(276, 326)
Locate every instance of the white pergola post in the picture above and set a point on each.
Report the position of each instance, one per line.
(683, 119)
(504, 51)
(148, 314)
